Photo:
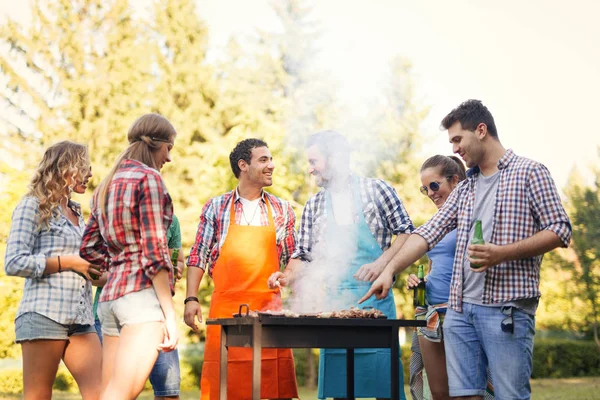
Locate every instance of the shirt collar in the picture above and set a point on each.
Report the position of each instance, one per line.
(503, 163)
(236, 195)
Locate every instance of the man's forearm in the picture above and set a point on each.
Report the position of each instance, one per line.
(194, 277)
(413, 248)
(294, 265)
(538, 244)
(394, 248)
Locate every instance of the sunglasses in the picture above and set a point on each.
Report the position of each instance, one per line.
(434, 186)
(508, 324)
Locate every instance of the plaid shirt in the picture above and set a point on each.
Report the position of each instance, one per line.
(526, 202)
(64, 297)
(214, 224)
(130, 241)
(383, 210)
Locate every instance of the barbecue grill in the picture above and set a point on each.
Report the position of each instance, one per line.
(277, 331)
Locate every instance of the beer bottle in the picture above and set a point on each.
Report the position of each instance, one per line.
(419, 299)
(174, 257)
(477, 239)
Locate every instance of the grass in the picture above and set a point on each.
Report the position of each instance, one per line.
(542, 389)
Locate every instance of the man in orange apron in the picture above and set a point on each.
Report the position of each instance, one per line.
(243, 237)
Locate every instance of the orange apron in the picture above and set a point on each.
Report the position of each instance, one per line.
(247, 259)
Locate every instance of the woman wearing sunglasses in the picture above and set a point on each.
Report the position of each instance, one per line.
(439, 175)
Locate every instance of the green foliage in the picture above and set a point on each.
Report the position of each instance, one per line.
(565, 358)
(11, 380)
(192, 358)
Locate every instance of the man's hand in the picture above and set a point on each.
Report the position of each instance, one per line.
(277, 280)
(380, 288)
(370, 272)
(191, 311)
(487, 255)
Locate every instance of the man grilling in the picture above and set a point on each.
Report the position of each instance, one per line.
(346, 227)
(243, 237)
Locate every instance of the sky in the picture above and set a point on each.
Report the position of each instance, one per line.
(535, 63)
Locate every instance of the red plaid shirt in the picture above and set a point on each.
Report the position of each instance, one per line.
(130, 241)
(526, 202)
(214, 223)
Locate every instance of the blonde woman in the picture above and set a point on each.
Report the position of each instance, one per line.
(131, 212)
(54, 320)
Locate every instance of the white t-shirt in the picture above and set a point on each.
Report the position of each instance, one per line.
(250, 212)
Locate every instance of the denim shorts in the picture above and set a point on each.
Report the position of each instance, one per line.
(165, 376)
(474, 341)
(34, 326)
(133, 308)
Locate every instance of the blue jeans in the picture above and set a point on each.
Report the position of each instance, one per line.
(98, 327)
(475, 341)
(34, 326)
(165, 376)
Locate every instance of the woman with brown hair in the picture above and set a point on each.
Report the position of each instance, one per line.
(126, 234)
(439, 175)
(54, 320)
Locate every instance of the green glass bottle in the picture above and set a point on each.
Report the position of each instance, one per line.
(174, 257)
(477, 239)
(419, 295)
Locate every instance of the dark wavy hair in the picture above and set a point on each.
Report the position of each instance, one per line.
(470, 114)
(243, 151)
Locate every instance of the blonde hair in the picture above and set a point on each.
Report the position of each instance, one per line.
(56, 175)
(146, 135)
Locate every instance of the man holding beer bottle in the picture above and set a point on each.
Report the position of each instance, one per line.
(491, 315)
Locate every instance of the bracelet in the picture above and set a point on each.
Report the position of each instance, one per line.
(59, 266)
(191, 298)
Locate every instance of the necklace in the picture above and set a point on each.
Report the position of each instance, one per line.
(253, 215)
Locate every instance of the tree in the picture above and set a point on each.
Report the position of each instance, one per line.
(80, 71)
(584, 211)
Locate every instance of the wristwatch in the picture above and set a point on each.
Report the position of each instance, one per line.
(191, 298)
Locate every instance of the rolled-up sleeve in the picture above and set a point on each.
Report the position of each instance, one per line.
(305, 233)
(205, 238)
(394, 211)
(19, 259)
(155, 209)
(93, 246)
(288, 244)
(546, 206)
(442, 223)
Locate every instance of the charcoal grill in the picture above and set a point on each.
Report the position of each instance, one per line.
(274, 331)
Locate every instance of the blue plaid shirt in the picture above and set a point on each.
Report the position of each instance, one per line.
(64, 297)
(526, 202)
(383, 210)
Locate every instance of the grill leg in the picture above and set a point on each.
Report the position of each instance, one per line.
(223, 366)
(395, 363)
(256, 359)
(350, 374)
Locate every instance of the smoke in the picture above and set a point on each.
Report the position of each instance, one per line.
(316, 285)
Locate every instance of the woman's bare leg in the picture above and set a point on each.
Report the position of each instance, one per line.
(83, 358)
(40, 364)
(434, 359)
(134, 358)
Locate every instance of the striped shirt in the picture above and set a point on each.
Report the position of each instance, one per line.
(130, 241)
(383, 210)
(64, 297)
(527, 202)
(214, 224)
